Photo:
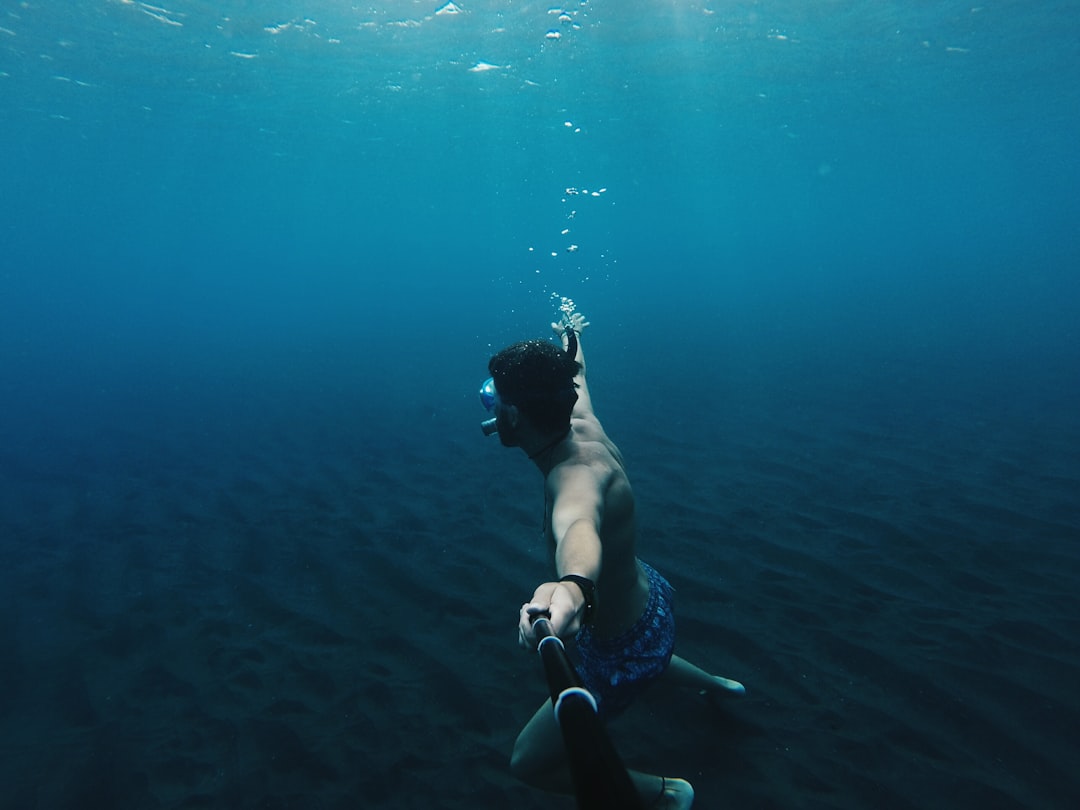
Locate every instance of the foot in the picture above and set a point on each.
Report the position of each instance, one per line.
(723, 687)
(678, 794)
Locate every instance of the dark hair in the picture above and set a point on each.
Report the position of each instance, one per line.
(538, 378)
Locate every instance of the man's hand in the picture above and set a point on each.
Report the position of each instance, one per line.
(560, 602)
(576, 321)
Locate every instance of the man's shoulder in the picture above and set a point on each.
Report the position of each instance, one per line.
(588, 429)
(593, 456)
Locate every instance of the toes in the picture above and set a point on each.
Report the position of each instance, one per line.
(734, 687)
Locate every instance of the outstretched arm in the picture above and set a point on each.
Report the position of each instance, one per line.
(576, 321)
(576, 515)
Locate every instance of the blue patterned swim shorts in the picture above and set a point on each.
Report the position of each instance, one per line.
(616, 670)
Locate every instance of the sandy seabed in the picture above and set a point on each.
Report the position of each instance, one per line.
(284, 613)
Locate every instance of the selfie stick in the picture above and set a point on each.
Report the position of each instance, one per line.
(600, 780)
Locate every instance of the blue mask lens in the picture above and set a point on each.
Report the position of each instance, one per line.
(487, 394)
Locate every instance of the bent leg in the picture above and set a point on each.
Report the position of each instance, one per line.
(539, 759)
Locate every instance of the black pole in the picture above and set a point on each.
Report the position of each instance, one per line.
(600, 779)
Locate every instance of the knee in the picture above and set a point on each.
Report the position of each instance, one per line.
(528, 763)
(521, 764)
(538, 749)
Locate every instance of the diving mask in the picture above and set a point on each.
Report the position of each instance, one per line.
(488, 397)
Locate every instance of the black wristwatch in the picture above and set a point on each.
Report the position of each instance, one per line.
(588, 590)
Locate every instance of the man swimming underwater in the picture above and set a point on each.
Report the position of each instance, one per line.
(619, 608)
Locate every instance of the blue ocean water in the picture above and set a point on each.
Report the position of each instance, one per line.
(217, 184)
(222, 221)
